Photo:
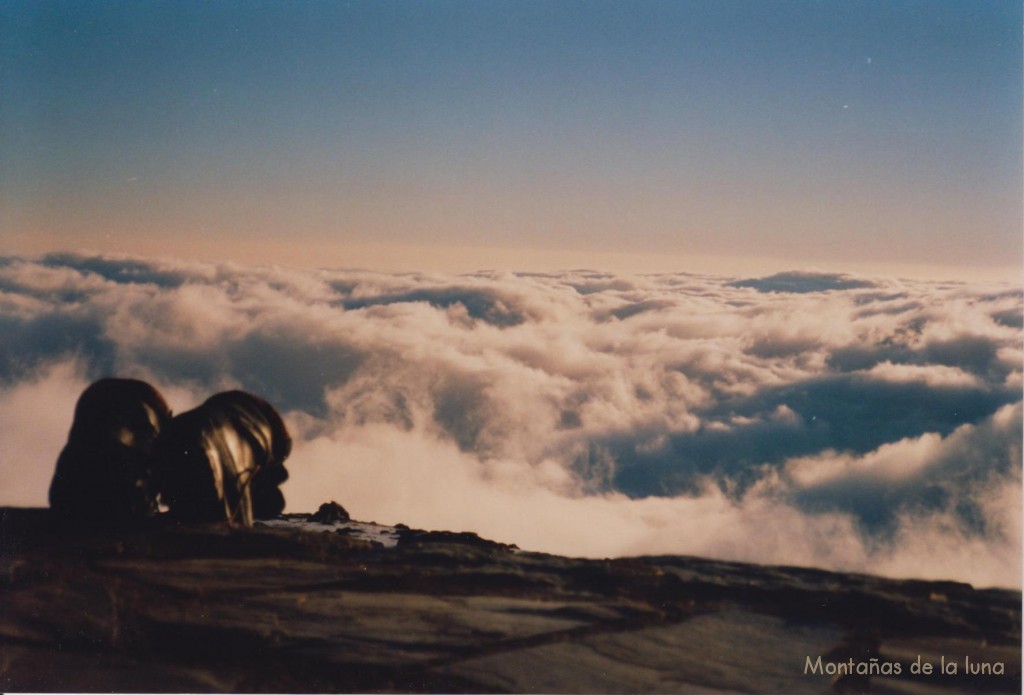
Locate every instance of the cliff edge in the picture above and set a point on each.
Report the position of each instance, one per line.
(277, 608)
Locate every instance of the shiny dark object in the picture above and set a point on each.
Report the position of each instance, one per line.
(224, 460)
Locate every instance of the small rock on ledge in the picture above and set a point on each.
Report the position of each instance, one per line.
(329, 513)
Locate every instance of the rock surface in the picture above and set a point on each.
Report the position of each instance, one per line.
(329, 513)
(211, 608)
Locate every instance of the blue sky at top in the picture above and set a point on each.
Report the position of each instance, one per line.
(855, 132)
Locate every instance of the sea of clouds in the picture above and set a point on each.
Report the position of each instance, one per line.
(803, 418)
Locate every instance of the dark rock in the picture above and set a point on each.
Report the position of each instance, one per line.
(105, 471)
(217, 608)
(329, 513)
(224, 460)
(407, 536)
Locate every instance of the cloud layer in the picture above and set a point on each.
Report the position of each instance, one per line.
(811, 418)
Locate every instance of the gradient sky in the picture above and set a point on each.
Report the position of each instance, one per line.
(696, 134)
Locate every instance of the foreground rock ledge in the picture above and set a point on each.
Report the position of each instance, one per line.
(212, 608)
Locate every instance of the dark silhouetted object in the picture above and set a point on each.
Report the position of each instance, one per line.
(329, 513)
(224, 460)
(105, 471)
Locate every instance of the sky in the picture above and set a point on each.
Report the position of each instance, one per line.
(704, 136)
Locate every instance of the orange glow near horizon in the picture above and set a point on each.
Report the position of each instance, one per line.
(404, 258)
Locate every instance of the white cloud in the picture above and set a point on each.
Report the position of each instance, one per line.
(932, 374)
(576, 412)
(35, 417)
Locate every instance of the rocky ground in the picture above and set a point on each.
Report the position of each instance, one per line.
(281, 609)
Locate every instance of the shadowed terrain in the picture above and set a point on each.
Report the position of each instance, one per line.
(211, 608)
